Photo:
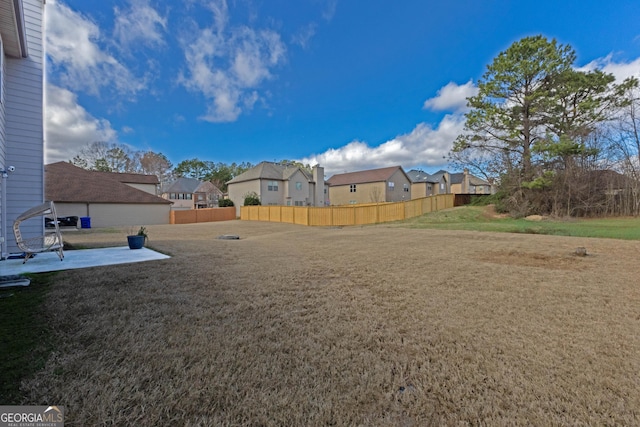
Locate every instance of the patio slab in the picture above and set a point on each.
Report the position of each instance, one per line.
(83, 258)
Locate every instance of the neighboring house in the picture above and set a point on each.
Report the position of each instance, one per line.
(103, 197)
(424, 184)
(147, 183)
(465, 183)
(191, 193)
(21, 117)
(279, 184)
(370, 186)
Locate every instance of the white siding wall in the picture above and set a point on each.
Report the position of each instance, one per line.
(3, 150)
(24, 134)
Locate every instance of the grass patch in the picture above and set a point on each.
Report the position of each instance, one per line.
(24, 335)
(479, 218)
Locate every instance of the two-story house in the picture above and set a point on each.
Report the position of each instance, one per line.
(191, 193)
(279, 184)
(370, 186)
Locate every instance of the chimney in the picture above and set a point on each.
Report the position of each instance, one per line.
(318, 178)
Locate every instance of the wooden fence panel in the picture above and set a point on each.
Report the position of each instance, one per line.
(365, 214)
(413, 208)
(320, 216)
(388, 212)
(341, 215)
(192, 216)
(275, 213)
(301, 215)
(347, 215)
(263, 213)
(287, 214)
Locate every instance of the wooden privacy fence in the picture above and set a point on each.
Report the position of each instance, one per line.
(348, 214)
(202, 215)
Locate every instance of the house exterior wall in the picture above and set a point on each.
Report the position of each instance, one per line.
(179, 204)
(147, 188)
(297, 189)
(371, 192)
(117, 214)
(23, 134)
(422, 189)
(238, 190)
(400, 182)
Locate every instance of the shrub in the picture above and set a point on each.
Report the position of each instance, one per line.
(252, 199)
(225, 203)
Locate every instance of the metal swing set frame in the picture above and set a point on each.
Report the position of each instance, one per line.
(49, 241)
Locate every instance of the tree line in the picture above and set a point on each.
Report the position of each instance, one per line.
(554, 139)
(112, 157)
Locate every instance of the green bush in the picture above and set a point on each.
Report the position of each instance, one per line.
(224, 203)
(252, 199)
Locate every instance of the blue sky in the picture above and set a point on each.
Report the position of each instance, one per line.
(351, 85)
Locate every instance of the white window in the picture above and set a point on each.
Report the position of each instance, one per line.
(405, 187)
(272, 185)
(298, 186)
(392, 185)
(352, 188)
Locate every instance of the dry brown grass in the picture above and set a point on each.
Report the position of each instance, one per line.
(355, 326)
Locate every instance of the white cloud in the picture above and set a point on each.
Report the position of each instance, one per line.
(304, 35)
(68, 126)
(76, 57)
(621, 70)
(423, 146)
(140, 23)
(452, 97)
(330, 10)
(226, 65)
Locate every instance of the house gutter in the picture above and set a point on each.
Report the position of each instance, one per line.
(20, 27)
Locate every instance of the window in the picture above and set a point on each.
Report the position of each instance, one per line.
(442, 187)
(405, 187)
(298, 203)
(272, 185)
(392, 185)
(298, 186)
(352, 188)
(429, 187)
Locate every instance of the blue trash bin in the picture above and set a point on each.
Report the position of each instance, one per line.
(85, 222)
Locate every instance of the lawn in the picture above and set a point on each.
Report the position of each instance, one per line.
(377, 325)
(483, 218)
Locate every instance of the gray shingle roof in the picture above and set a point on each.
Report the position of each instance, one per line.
(419, 176)
(269, 170)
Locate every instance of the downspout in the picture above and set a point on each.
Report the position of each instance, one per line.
(3, 217)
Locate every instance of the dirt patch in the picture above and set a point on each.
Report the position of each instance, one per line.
(532, 259)
(489, 211)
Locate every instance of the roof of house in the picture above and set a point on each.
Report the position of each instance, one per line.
(131, 178)
(270, 170)
(65, 182)
(456, 178)
(362, 177)
(190, 186)
(417, 176)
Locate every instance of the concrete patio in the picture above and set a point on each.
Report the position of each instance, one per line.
(73, 259)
